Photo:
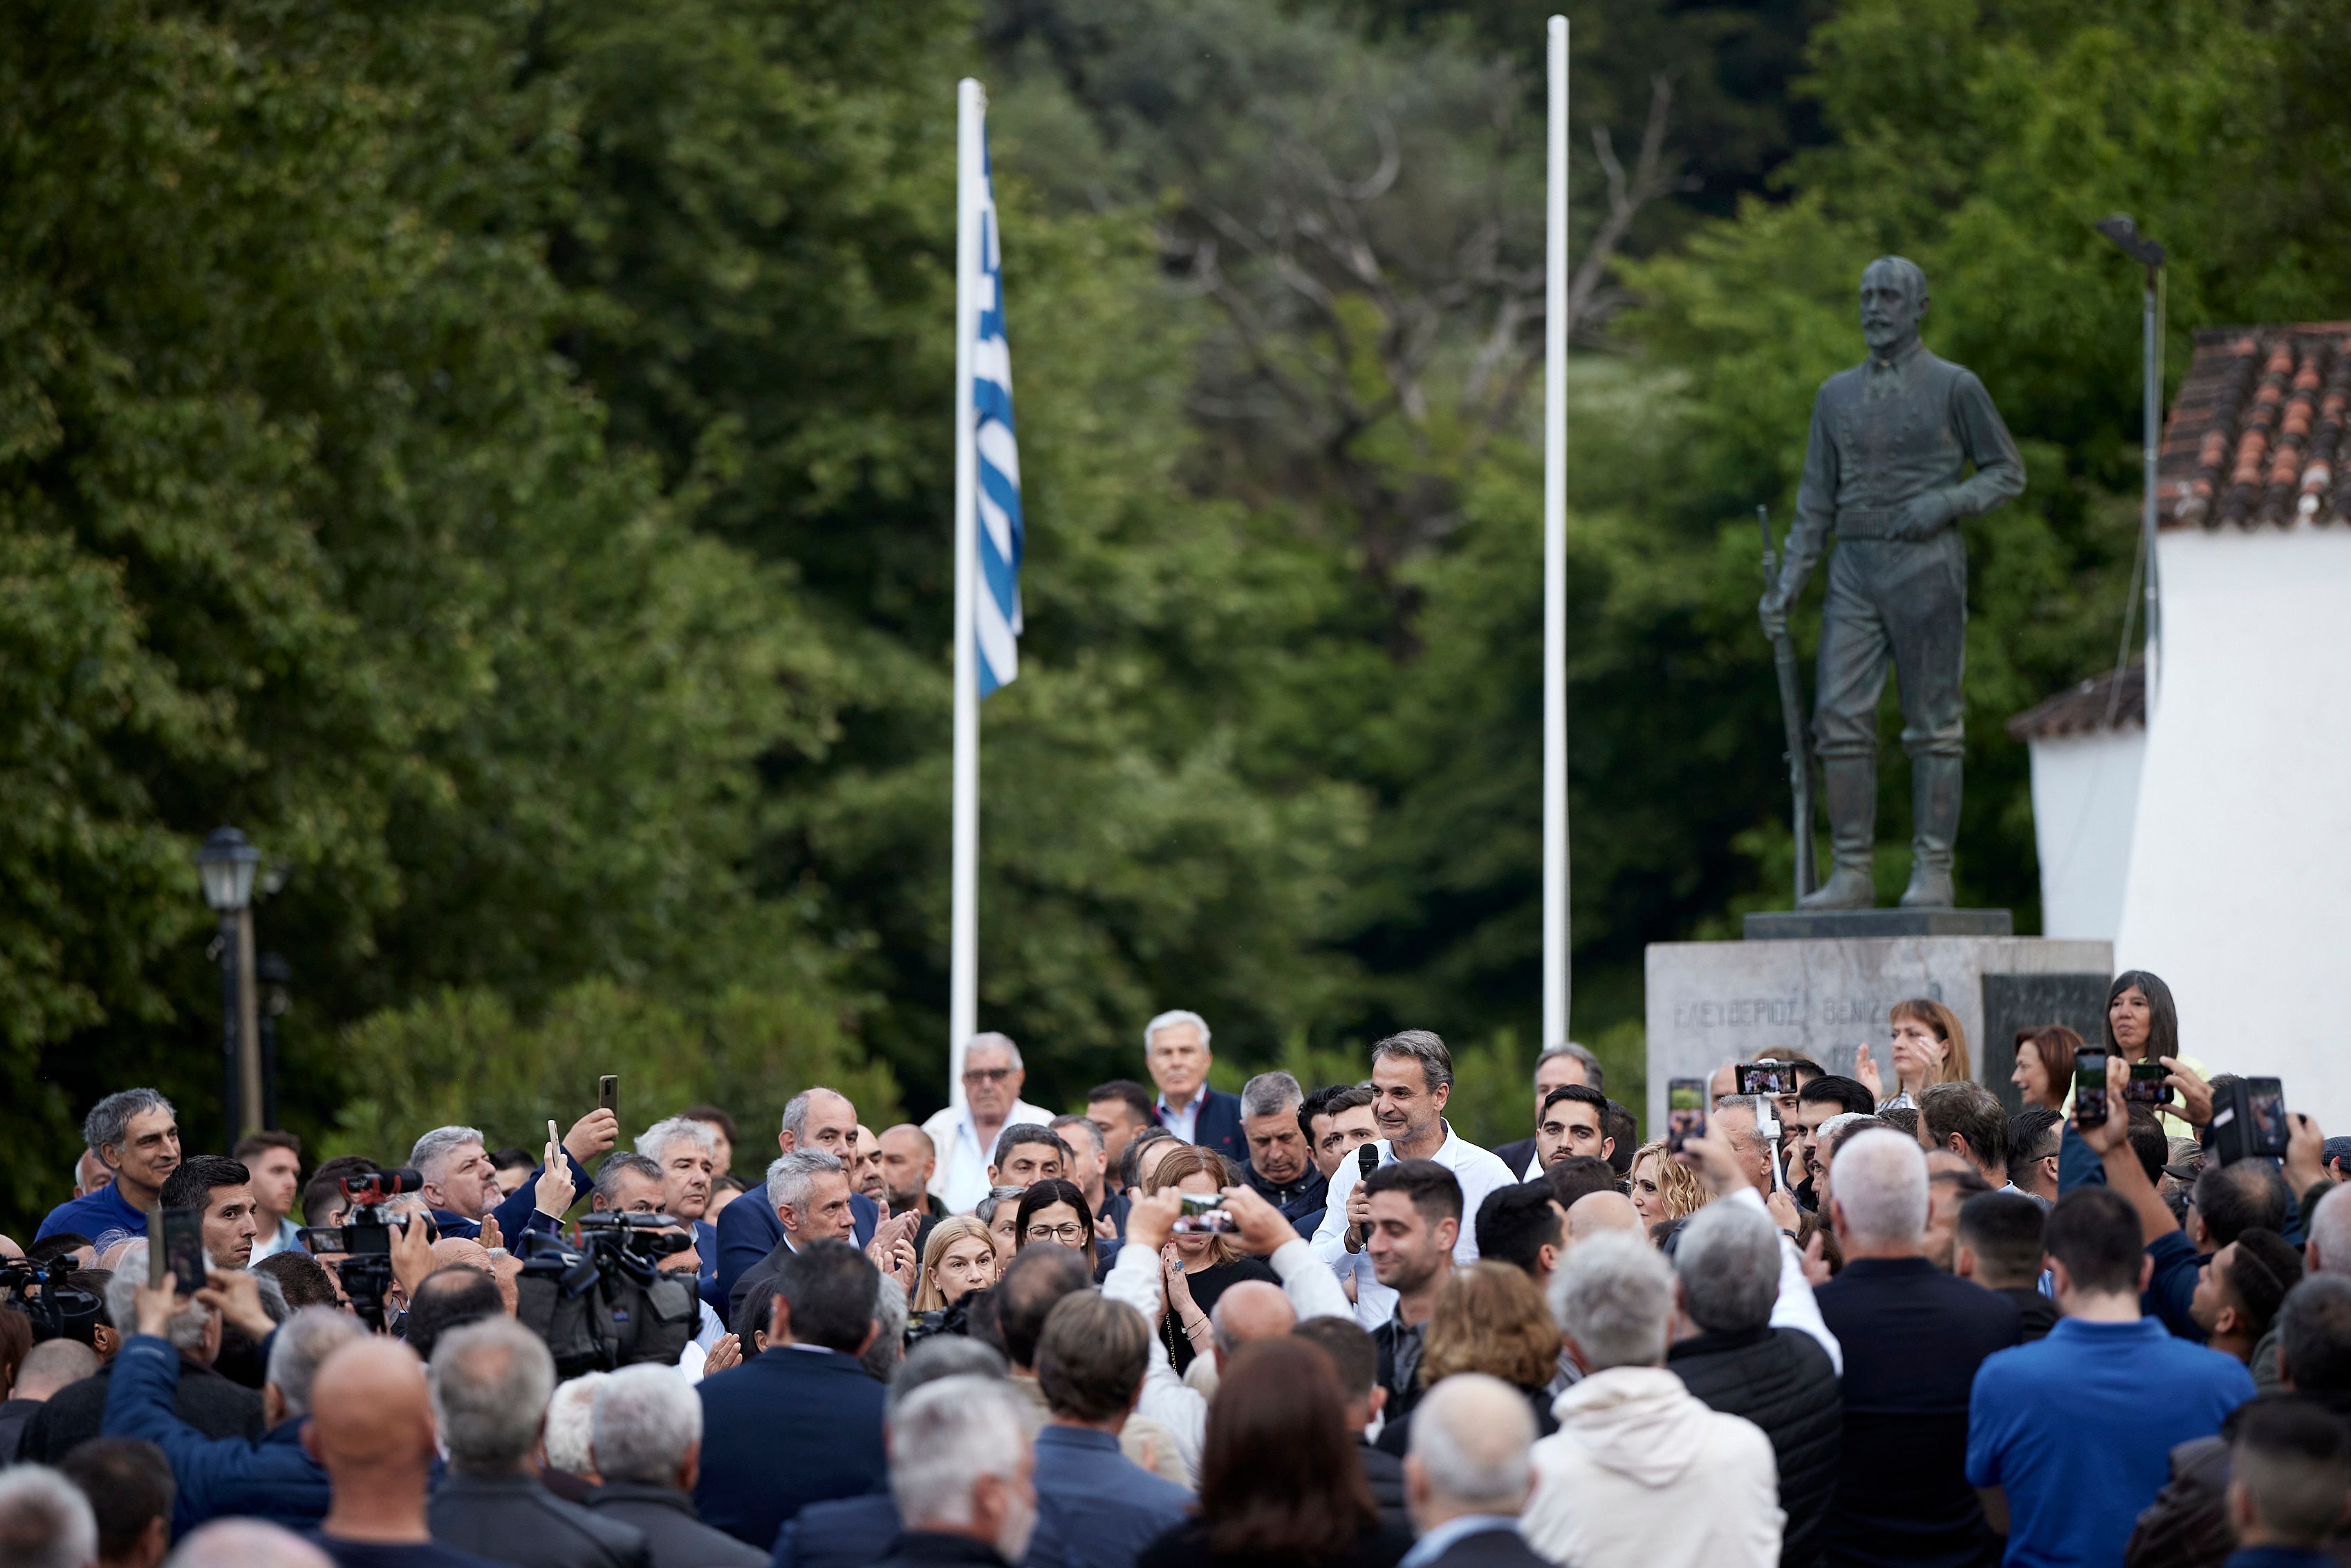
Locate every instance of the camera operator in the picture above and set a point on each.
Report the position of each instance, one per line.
(635, 1183)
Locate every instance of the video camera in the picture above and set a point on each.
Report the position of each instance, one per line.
(603, 1302)
(46, 1293)
(364, 1238)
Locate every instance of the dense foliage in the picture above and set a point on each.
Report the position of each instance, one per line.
(495, 456)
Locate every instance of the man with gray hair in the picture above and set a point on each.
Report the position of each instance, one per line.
(460, 1185)
(274, 1478)
(491, 1382)
(135, 1135)
(208, 1404)
(852, 1532)
(1175, 1054)
(964, 1135)
(1281, 1165)
(1640, 1474)
(1466, 1475)
(808, 1192)
(1726, 1284)
(815, 1121)
(963, 1475)
(686, 1151)
(45, 1522)
(246, 1543)
(646, 1442)
(1559, 1067)
(1913, 1338)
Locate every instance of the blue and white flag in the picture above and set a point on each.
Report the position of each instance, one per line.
(996, 613)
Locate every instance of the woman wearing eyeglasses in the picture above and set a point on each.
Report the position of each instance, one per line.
(1054, 1213)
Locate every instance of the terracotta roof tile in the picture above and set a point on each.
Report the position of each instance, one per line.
(2108, 701)
(2258, 431)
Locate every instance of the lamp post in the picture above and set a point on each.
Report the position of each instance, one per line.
(226, 863)
(2122, 231)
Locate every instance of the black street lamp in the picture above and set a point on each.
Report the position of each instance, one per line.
(227, 864)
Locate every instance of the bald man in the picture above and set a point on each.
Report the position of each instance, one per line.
(248, 1544)
(1467, 1473)
(372, 1430)
(1597, 1211)
(1252, 1309)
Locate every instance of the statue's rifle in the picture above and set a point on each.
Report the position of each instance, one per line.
(1792, 714)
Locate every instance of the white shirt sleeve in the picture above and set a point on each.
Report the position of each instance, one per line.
(1330, 1239)
(1167, 1398)
(1314, 1291)
(1796, 1308)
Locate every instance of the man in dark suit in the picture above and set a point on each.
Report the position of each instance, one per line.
(1913, 1337)
(1468, 1475)
(817, 1118)
(808, 1194)
(1554, 1068)
(801, 1422)
(645, 1432)
(1176, 1050)
(491, 1382)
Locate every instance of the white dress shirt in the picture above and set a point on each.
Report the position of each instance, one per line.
(959, 1180)
(1478, 1171)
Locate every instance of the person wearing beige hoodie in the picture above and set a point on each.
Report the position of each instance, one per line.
(1640, 1474)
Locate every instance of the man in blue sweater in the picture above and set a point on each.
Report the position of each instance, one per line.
(2070, 1437)
(273, 1479)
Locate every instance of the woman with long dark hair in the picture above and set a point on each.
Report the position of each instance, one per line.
(2141, 1023)
(1281, 1485)
(1053, 1213)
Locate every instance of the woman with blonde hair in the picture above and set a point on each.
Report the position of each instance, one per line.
(1489, 1318)
(959, 1258)
(1929, 1047)
(1197, 1267)
(1664, 1189)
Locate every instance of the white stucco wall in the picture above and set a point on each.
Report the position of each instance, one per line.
(2084, 804)
(2240, 885)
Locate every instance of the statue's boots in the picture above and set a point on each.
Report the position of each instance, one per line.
(1935, 828)
(1849, 785)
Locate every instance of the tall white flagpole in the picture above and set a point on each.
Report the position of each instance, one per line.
(963, 961)
(1555, 935)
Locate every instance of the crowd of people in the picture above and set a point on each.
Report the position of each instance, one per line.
(1839, 1320)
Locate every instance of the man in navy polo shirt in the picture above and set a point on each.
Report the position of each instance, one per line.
(2069, 1437)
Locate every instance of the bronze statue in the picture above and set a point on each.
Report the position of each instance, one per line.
(1885, 465)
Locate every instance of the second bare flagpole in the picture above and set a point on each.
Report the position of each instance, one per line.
(1555, 933)
(963, 943)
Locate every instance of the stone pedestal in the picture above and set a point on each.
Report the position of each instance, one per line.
(1712, 1002)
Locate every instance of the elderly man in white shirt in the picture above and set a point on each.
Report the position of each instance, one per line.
(1412, 1075)
(964, 1136)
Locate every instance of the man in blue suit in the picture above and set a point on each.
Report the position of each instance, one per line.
(748, 1229)
(801, 1422)
(1176, 1050)
(460, 1184)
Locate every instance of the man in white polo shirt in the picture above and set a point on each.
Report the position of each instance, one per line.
(1412, 1075)
(964, 1137)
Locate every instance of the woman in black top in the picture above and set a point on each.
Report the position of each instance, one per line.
(1197, 1267)
(1280, 1483)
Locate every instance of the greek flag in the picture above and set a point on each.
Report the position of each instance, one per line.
(996, 614)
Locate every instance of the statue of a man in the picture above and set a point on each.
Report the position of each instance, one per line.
(1887, 465)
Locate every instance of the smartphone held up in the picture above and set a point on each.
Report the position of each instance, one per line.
(1684, 1111)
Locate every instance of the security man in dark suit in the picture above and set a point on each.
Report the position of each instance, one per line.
(801, 1422)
